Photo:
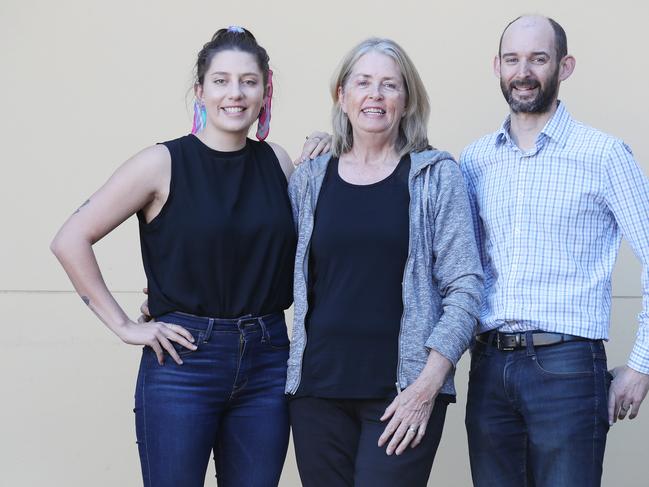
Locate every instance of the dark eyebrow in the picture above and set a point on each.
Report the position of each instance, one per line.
(536, 53)
(224, 73)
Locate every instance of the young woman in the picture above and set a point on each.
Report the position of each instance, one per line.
(218, 244)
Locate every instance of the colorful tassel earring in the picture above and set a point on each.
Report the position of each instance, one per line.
(200, 117)
(263, 125)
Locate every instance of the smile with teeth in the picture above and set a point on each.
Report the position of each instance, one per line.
(376, 111)
(525, 87)
(233, 109)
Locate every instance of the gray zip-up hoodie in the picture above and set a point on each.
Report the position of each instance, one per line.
(442, 280)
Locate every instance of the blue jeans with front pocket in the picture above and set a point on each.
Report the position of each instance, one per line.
(227, 398)
(538, 417)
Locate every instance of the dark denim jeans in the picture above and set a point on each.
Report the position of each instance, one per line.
(227, 397)
(538, 416)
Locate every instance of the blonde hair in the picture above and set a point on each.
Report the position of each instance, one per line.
(413, 133)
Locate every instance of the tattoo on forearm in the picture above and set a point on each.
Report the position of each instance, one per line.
(84, 204)
(86, 300)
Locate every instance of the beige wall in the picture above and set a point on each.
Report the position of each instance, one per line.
(85, 84)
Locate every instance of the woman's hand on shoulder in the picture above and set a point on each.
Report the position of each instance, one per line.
(315, 144)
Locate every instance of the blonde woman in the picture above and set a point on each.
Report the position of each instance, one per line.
(387, 282)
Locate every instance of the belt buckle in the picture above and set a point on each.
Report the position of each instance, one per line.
(501, 345)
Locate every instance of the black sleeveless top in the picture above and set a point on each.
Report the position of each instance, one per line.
(223, 244)
(357, 257)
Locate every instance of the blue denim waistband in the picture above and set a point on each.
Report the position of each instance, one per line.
(206, 322)
(243, 324)
(195, 319)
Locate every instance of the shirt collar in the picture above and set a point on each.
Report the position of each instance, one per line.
(556, 128)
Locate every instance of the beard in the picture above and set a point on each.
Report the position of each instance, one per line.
(541, 103)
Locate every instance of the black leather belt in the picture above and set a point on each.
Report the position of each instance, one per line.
(516, 341)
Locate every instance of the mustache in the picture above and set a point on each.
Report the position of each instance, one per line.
(528, 83)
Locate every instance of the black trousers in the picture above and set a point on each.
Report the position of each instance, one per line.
(336, 444)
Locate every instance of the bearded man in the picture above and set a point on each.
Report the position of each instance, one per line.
(551, 199)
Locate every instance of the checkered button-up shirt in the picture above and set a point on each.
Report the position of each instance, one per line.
(549, 223)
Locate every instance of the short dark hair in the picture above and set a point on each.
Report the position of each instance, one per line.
(232, 38)
(560, 38)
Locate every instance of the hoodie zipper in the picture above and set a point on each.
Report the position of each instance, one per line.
(411, 181)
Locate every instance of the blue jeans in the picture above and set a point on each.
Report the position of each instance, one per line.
(227, 397)
(538, 416)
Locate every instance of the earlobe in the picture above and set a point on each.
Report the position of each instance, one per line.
(567, 67)
(341, 99)
(198, 91)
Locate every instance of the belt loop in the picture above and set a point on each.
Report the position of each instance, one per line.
(264, 331)
(241, 322)
(597, 348)
(208, 333)
(529, 343)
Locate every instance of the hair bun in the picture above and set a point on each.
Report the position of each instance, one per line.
(233, 37)
(232, 32)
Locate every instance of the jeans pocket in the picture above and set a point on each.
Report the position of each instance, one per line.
(571, 359)
(277, 336)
